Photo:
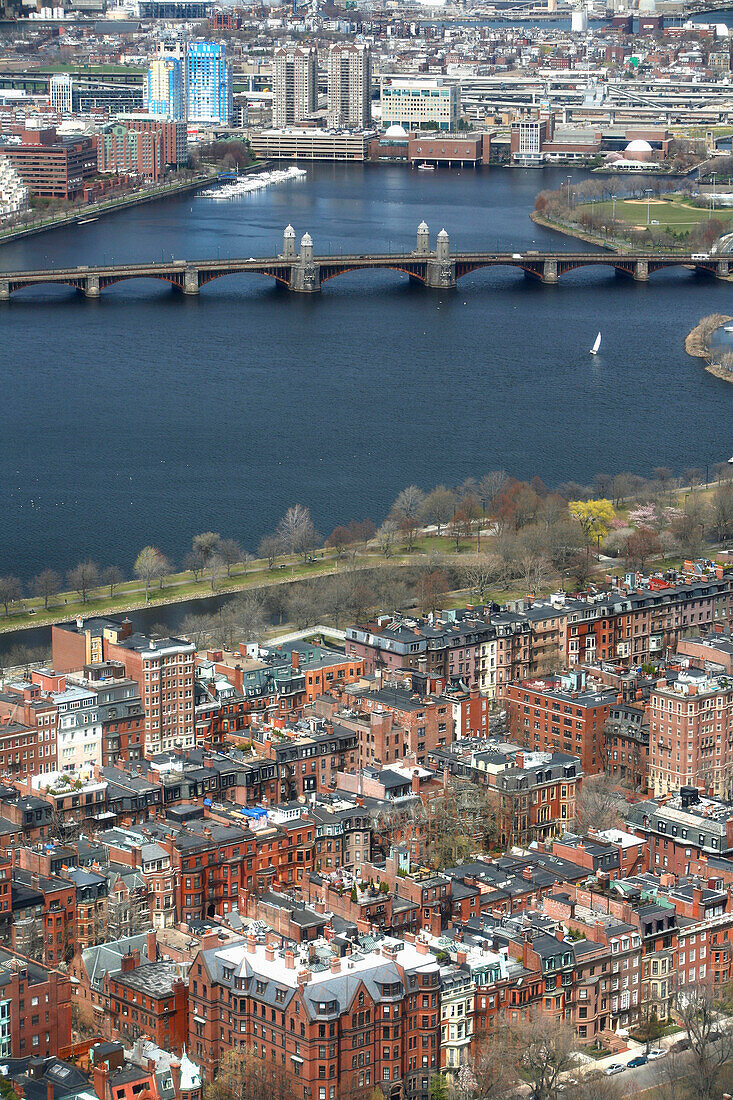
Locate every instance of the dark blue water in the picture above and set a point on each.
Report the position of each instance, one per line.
(146, 417)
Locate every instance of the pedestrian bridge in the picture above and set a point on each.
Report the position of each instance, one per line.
(304, 272)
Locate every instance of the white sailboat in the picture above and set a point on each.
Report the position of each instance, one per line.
(596, 345)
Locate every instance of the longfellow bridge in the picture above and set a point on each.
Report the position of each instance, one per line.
(305, 273)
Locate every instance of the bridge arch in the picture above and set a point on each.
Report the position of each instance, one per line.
(23, 284)
(331, 271)
(281, 277)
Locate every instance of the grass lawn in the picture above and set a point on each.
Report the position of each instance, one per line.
(671, 213)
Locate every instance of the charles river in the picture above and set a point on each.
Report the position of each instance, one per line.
(146, 417)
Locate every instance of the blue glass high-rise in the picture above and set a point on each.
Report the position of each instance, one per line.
(209, 83)
(165, 88)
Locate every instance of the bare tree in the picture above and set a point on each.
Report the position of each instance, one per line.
(387, 537)
(490, 487)
(230, 553)
(196, 629)
(10, 591)
(269, 548)
(599, 804)
(46, 584)
(478, 574)
(439, 505)
(252, 616)
(700, 1012)
(82, 577)
(543, 1049)
(128, 914)
(194, 561)
(112, 576)
(206, 544)
(409, 504)
(304, 605)
(721, 510)
(214, 570)
(296, 532)
(147, 567)
(486, 1075)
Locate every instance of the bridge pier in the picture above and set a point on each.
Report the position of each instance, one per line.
(91, 286)
(641, 271)
(4, 290)
(441, 270)
(305, 274)
(190, 281)
(441, 276)
(723, 269)
(549, 271)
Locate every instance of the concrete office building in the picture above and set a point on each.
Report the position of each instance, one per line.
(295, 85)
(349, 86)
(415, 104)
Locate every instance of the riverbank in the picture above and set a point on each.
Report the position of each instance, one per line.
(567, 229)
(111, 206)
(697, 345)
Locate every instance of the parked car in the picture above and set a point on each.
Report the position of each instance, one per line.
(681, 1044)
(658, 1053)
(615, 1067)
(639, 1060)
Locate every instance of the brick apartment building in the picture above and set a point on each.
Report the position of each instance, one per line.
(691, 734)
(52, 167)
(537, 799)
(686, 833)
(124, 151)
(37, 1001)
(162, 667)
(365, 1020)
(148, 998)
(561, 714)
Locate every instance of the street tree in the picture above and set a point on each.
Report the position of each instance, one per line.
(700, 1011)
(599, 804)
(543, 1049)
(82, 577)
(46, 584)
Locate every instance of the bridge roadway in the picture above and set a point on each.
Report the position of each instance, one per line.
(304, 272)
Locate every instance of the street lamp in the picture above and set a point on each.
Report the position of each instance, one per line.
(568, 179)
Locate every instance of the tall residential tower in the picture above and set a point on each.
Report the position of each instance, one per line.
(165, 88)
(349, 86)
(209, 83)
(295, 85)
